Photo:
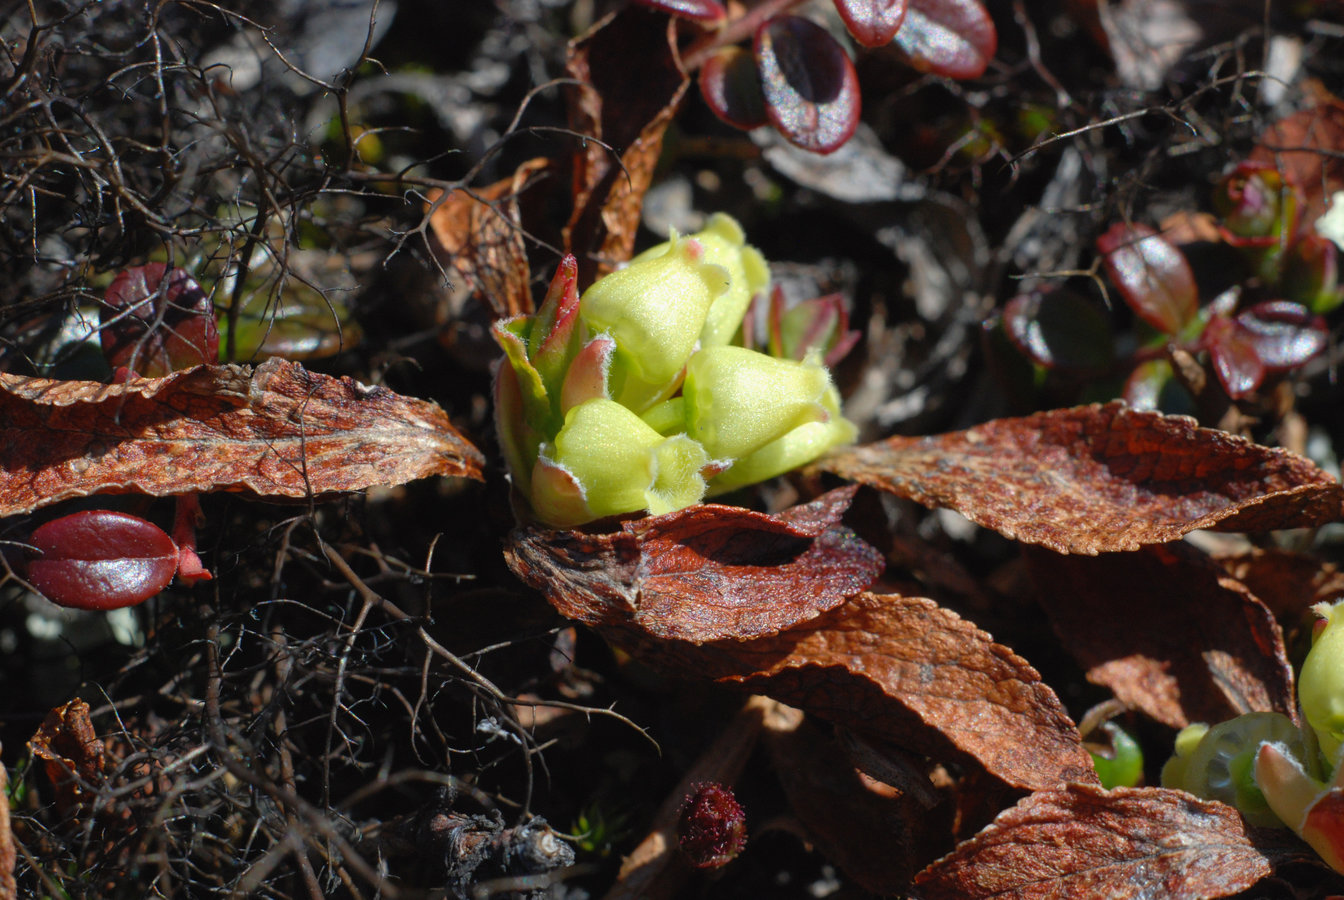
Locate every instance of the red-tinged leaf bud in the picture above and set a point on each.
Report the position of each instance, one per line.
(712, 828)
(1259, 208)
(156, 319)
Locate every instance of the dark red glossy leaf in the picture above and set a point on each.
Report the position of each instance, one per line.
(1151, 274)
(1099, 478)
(810, 86)
(100, 559)
(1233, 353)
(707, 11)
(872, 22)
(156, 319)
(1122, 844)
(1059, 329)
(1284, 334)
(731, 87)
(1168, 631)
(703, 573)
(952, 38)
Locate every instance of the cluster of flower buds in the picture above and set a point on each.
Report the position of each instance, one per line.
(639, 395)
(1274, 772)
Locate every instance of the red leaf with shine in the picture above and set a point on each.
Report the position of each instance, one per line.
(731, 87)
(1151, 274)
(1285, 334)
(810, 86)
(156, 319)
(100, 559)
(873, 22)
(953, 38)
(697, 10)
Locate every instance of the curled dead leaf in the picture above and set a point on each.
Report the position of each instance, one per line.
(629, 116)
(703, 573)
(1099, 478)
(277, 431)
(906, 671)
(480, 235)
(1169, 631)
(1082, 841)
(71, 753)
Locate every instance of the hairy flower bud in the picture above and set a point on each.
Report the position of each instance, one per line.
(654, 309)
(1320, 686)
(738, 400)
(606, 461)
(726, 245)
(796, 448)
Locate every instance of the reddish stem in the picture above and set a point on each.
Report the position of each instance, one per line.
(190, 569)
(734, 31)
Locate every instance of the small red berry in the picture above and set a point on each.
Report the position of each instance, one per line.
(712, 828)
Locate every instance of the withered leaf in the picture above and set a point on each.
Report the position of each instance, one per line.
(276, 431)
(480, 235)
(1082, 841)
(1304, 145)
(703, 573)
(628, 117)
(1099, 478)
(71, 752)
(1288, 583)
(1169, 631)
(904, 670)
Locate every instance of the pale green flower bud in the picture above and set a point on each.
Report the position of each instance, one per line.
(1320, 686)
(738, 400)
(748, 274)
(797, 448)
(654, 309)
(606, 461)
(1219, 763)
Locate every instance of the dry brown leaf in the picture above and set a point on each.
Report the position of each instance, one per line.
(1099, 478)
(703, 573)
(1288, 583)
(1086, 842)
(480, 235)
(276, 431)
(628, 115)
(72, 754)
(1305, 146)
(1169, 631)
(904, 670)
